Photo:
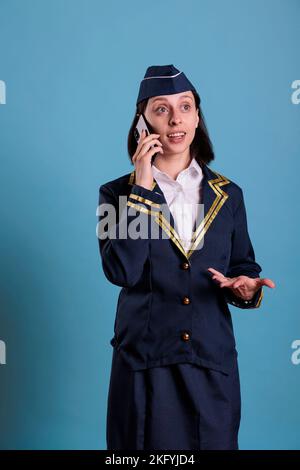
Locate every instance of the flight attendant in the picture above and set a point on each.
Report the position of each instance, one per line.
(174, 380)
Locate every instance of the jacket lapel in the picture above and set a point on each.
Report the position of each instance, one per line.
(213, 198)
(164, 217)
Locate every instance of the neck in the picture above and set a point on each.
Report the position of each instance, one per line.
(173, 164)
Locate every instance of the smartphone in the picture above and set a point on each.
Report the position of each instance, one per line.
(143, 124)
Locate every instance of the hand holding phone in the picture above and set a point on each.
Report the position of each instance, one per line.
(142, 124)
(148, 146)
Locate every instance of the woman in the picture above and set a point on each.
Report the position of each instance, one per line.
(174, 380)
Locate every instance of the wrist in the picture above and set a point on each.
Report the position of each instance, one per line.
(144, 185)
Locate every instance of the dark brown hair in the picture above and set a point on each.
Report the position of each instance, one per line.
(201, 147)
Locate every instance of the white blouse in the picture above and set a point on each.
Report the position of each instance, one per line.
(183, 196)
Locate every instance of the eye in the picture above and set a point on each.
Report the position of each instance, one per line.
(186, 107)
(160, 107)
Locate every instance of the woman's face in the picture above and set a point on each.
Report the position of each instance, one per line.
(169, 114)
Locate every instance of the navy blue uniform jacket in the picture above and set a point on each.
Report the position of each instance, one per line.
(169, 309)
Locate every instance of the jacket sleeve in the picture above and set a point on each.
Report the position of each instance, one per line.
(123, 256)
(242, 259)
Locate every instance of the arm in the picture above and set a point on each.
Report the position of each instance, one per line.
(123, 259)
(242, 259)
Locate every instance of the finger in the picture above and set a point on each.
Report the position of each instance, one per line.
(228, 283)
(145, 138)
(152, 141)
(238, 284)
(147, 145)
(267, 282)
(150, 153)
(141, 143)
(219, 278)
(214, 271)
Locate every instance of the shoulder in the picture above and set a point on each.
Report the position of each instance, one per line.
(117, 186)
(223, 180)
(225, 184)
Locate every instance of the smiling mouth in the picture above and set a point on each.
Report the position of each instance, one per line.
(176, 134)
(176, 137)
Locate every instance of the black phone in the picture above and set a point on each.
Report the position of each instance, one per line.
(144, 124)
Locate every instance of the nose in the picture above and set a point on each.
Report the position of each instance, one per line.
(175, 119)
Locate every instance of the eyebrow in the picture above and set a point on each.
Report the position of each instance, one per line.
(163, 98)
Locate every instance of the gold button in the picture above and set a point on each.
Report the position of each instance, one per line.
(185, 336)
(186, 300)
(185, 265)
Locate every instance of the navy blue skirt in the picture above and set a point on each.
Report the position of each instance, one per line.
(174, 407)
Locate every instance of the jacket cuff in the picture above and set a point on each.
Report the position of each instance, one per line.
(233, 299)
(145, 200)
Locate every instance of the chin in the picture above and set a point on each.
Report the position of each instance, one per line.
(176, 148)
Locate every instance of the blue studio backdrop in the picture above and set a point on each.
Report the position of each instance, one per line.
(69, 77)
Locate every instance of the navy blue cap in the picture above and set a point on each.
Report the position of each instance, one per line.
(163, 80)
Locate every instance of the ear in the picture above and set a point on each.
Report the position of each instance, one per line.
(198, 119)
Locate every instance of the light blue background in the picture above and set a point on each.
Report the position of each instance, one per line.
(72, 70)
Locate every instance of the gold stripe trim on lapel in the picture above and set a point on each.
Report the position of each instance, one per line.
(145, 201)
(169, 230)
(220, 199)
(160, 219)
(140, 208)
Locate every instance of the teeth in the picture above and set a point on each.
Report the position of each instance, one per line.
(177, 134)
